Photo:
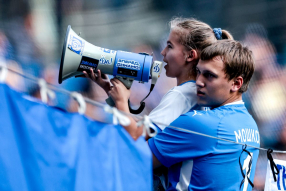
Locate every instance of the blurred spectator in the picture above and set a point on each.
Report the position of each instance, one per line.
(88, 90)
(19, 30)
(267, 92)
(14, 80)
(281, 144)
(267, 95)
(6, 55)
(81, 85)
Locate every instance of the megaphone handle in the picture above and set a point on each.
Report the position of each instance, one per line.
(137, 111)
(142, 103)
(110, 101)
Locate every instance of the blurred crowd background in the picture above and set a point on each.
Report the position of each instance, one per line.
(32, 34)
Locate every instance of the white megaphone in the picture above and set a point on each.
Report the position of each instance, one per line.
(79, 55)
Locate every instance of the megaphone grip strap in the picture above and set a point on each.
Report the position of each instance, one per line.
(137, 111)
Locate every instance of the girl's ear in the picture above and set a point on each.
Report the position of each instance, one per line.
(192, 55)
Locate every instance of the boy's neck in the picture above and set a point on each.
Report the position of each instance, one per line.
(235, 98)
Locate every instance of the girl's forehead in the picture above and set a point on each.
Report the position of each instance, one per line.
(176, 32)
(174, 36)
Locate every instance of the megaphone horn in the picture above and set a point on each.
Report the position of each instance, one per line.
(79, 55)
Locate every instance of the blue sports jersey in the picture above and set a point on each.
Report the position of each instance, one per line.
(201, 163)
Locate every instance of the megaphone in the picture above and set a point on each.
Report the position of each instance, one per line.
(79, 55)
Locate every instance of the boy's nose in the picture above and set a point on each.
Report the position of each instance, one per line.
(199, 81)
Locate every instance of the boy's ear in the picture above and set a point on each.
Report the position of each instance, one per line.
(237, 83)
(192, 55)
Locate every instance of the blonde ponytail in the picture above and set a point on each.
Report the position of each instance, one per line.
(226, 35)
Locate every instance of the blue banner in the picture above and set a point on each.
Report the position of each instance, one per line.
(46, 148)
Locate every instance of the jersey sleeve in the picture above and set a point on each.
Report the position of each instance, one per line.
(174, 145)
(172, 105)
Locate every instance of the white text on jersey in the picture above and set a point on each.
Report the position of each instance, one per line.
(247, 135)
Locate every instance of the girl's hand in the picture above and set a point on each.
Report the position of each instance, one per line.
(119, 93)
(101, 79)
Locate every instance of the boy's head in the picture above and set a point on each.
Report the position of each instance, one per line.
(224, 72)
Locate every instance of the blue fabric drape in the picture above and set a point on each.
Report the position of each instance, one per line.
(46, 148)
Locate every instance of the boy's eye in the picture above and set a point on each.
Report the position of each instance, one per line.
(169, 46)
(209, 75)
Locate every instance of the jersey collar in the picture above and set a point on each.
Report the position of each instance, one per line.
(235, 102)
(188, 82)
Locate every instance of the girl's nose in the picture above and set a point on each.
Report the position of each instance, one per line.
(163, 52)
